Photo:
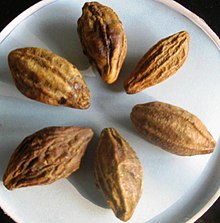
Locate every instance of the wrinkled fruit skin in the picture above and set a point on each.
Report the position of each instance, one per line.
(46, 156)
(44, 76)
(172, 128)
(118, 173)
(162, 61)
(103, 39)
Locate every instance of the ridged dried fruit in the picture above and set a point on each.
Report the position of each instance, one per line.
(118, 173)
(159, 63)
(46, 77)
(172, 128)
(103, 39)
(48, 155)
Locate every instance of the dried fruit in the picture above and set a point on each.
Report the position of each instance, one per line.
(118, 173)
(172, 128)
(46, 77)
(103, 39)
(48, 155)
(159, 63)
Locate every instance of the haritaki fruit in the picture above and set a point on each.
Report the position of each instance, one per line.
(118, 173)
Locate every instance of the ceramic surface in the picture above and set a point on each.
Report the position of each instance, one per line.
(176, 189)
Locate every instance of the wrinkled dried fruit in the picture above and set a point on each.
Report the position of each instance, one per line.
(172, 128)
(159, 63)
(103, 39)
(118, 173)
(46, 77)
(48, 155)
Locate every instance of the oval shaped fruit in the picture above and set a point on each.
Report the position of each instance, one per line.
(46, 156)
(172, 128)
(118, 173)
(162, 61)
(44, 76)
(103, 39)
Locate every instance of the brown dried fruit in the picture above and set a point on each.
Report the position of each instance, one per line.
(159, 63)
(172, 128)
(103, 39)
(48, 155)
(46, 77)
(118, 173)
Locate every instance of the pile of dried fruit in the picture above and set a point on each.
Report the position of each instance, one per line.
(55, 152)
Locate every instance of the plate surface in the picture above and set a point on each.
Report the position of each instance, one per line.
(176, 188)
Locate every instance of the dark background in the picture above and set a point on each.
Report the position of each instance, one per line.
(209, 10)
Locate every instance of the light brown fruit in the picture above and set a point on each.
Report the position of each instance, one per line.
(103, 39)
(44, 76)
(118, 173)
(172, 128)
(46, 156)
(162, 61)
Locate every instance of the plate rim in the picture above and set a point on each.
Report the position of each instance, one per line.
(22, 16)
(169, 3)
(193, 18)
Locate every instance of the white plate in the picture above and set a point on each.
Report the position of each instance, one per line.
(176, 188)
